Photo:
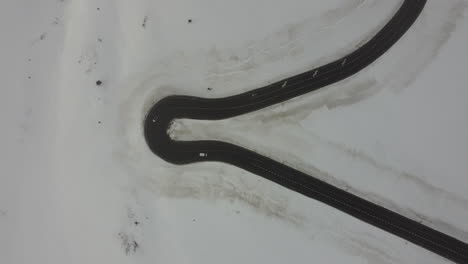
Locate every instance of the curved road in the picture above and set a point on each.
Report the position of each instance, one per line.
(182, 152)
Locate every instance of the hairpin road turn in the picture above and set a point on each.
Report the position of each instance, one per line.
(174, 107)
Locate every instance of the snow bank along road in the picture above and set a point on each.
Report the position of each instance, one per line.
(167, 109)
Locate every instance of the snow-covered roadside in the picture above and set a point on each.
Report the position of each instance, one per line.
(32, 40)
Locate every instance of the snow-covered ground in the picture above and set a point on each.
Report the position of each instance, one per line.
(79, 185)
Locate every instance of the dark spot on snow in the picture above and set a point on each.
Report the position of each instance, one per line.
(98, 9)
(145, 19)
(99, 122)
(189, 21)
(99, 39)
(29, 59)
(29, 77)
(98, 83)
(43, 36)
(136, 223)
(193, 220)
(237, 212)
(209, 89)
(129, 244)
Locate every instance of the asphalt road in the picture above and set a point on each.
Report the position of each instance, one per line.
(173, 107)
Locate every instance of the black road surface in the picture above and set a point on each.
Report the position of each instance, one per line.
(183, 152)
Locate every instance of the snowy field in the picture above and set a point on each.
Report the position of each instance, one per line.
(79, 185)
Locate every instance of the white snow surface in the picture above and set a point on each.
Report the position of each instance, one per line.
(79, 185)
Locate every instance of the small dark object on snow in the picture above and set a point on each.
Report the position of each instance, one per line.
(190, 20)
(98, 83)
(144, 22)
